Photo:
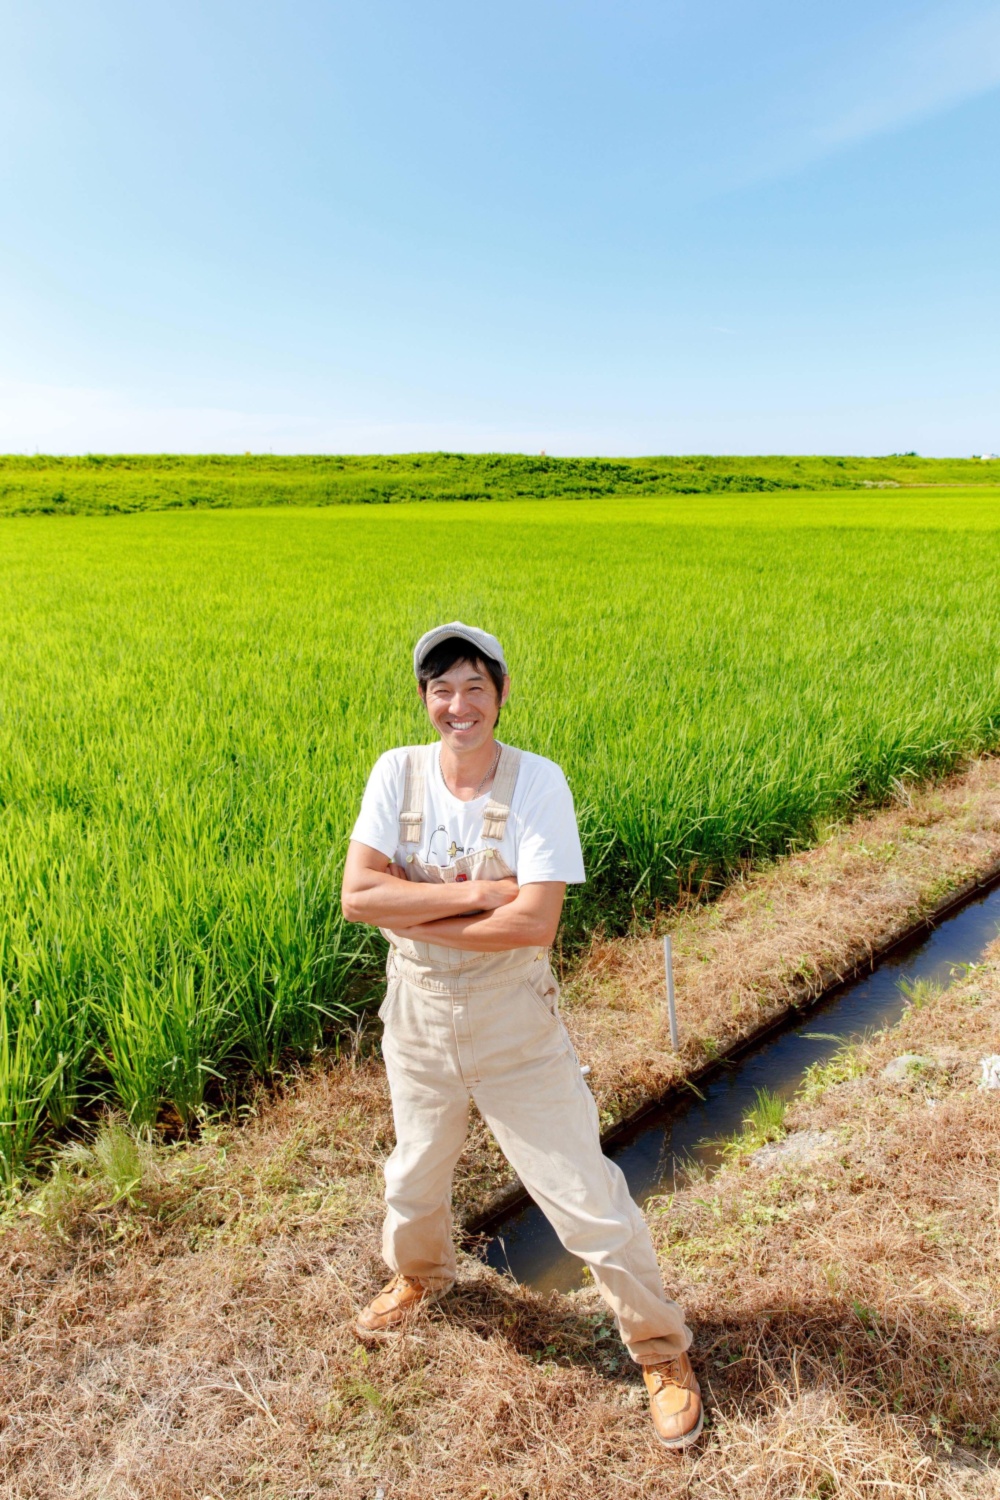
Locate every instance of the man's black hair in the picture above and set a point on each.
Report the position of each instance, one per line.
(448, 653)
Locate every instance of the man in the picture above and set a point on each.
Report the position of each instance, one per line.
(462, 854)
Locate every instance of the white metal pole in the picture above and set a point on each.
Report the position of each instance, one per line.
(668, 964)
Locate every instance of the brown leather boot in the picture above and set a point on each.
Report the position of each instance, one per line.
(675, 1401)
(393, 1305)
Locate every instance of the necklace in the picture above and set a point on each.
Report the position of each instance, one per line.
(489, 774)
(486, 778)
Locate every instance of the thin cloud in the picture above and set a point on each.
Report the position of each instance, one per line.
(893, 78)
(935, 65)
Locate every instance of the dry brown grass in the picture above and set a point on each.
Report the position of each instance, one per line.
(194, 1338)
(779, 937)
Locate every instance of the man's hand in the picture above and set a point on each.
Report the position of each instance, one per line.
(491, 894)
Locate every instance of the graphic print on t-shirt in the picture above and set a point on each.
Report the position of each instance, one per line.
(442, 849)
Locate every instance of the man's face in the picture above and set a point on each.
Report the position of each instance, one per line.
(463, 706)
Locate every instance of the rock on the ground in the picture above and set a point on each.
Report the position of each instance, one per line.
(910, 1065)
(796, 1149)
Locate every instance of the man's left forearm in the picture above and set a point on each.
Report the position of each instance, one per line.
(531, 921)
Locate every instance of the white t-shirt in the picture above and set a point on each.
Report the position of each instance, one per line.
(541, 841)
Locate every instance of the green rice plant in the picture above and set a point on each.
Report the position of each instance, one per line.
(43, 1041)
(137, 1049)
(193, 1021)
(162, 1036)
(53, 1011)
(765, 1120)
(24, 1088)
(287, 965)
(21, 1105)
(920, 992)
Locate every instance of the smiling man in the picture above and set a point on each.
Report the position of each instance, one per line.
(462, 854)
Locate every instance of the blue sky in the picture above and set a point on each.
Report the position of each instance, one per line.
(579, 227)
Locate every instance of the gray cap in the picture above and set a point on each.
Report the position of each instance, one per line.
(485, 644)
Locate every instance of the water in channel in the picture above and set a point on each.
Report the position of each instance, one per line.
(691, 1129)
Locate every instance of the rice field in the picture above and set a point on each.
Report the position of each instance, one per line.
(190, 703)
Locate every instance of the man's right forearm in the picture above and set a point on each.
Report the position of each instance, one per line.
(384, 900)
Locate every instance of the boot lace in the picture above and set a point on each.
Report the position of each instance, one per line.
(401, 1280)
(667, 1372)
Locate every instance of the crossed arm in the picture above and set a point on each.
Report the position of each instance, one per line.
(483, 916)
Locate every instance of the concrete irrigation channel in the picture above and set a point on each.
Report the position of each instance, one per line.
(690, 1124)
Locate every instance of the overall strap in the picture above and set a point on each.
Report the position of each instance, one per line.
(495, 816)
(411, 815)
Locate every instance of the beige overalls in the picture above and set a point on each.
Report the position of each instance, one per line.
(488, 1025)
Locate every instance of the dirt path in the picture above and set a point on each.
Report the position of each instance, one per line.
(193, 1337)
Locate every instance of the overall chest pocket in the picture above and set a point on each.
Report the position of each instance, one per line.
(484, 864)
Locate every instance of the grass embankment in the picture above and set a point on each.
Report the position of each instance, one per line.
(114, 483)
(177, 1320)
(190, 704)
